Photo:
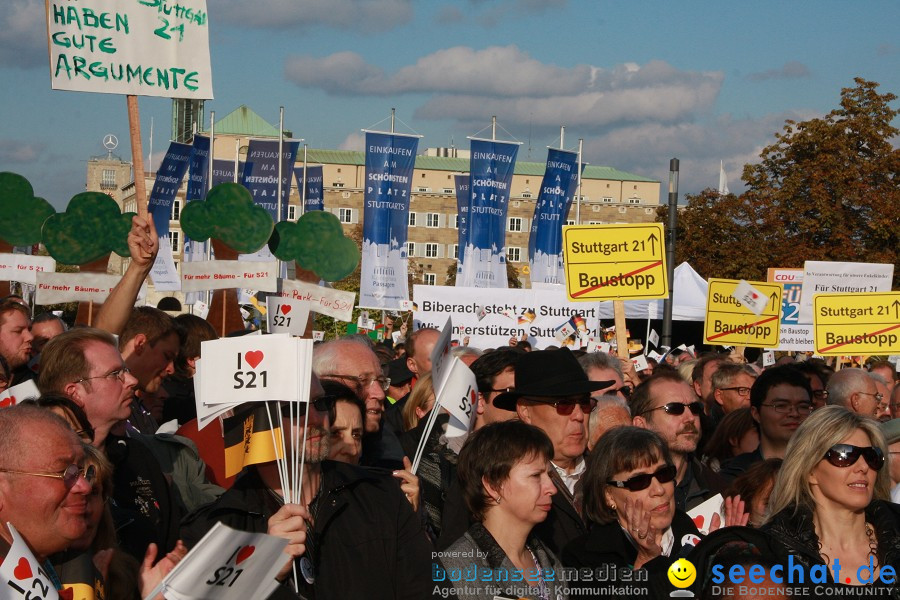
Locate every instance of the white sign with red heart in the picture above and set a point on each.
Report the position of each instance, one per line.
(254, 369)
(21, 575)
(17, 393)
(286, 315)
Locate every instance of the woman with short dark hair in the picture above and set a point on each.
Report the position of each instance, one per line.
(504, 477)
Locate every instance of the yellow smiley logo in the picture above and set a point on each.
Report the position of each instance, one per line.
(682, 573)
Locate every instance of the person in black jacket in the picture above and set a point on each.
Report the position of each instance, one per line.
(352, 533)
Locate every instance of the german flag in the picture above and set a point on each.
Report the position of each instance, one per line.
(248, 437)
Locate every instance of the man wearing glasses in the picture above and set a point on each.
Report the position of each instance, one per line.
(43, 483)
(666, 404)
(855, 390)
(553, 393)
(353, 362)
(780, 400)
(731, 385)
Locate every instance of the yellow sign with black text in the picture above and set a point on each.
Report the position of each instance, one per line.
(852, 324)
(615, 262)
(730, 322)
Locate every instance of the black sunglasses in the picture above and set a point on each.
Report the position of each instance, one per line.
(322, 404)
(566, 406)
(846, 455)
(642, 482)
(677, 408)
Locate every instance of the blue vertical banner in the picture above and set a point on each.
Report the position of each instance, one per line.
(165, 188)
(390, 161)
(491, 170)
(313, 183)
(545, 254)
(260, 174)
(462, 211)
(198, 175)
(223, 171)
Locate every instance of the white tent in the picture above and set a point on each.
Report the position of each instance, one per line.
(689, 300)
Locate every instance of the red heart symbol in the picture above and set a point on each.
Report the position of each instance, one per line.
(11, 401)
(253, 358)
(698, 521)
(286, 308)
(23, 569)
(244, 554)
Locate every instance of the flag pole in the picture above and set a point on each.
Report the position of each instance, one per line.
(137, 155)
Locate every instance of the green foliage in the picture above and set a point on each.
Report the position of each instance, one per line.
(230, 215)
(827, 190)
(91, 227)
(21, 213)
(317, 242)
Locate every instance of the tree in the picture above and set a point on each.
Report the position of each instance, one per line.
(827, 189)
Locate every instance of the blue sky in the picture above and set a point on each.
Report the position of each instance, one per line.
(641, 82)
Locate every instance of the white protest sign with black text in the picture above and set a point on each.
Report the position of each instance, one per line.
(821, 277)
(459, 396)
(227, 274)
(21, 575)
(251, 369)
(285, 315)
(334, 303)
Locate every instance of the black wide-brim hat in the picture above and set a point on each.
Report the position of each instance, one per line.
(548, 374)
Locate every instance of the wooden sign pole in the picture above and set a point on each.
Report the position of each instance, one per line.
(621, 335)
(137, 155)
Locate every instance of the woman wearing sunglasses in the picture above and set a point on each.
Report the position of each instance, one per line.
(830, 500)
(629, 498)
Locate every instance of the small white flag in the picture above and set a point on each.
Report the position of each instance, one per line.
(653, 338)
(750, 297)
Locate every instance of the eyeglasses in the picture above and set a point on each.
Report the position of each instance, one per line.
(846, 455)
(878, 396)
(677, 408)
(566, 406)
(642, 482)
(117, 374)
(322, 404)
(363, 381)
(820, 394)
(69, 476)
(784, 407)
(742, 391)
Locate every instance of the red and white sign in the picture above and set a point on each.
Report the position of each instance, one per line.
(228, 274)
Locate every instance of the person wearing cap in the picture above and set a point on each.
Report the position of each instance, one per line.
(891, 431)
(553, 393)
(397, 393)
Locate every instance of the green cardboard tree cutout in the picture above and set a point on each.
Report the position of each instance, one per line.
(91, 227)
(228, 214)
(317, 242)
(21, 213)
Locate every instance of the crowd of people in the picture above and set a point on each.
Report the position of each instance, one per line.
(579, 471)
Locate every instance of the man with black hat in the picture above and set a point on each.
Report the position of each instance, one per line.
(397, 393)
(553, 393)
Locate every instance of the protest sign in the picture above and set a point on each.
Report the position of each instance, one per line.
(24, 267)
(140, 48)
(629, 264)
(821, 277)
(337, 304)
(730, 321)
(228, 274)
(794, 335)
(21, 573)
(285, 315)
(26, 390)
(851, 324)
(54, 288)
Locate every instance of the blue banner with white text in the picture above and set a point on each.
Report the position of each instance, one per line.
(313, 184)
(165, 189)
(260, 174)
(462, 211)
(545, 254)
(390, 161)
(491, 170)
(223, 171)
(198, 175)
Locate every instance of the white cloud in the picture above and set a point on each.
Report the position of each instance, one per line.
(355, 141)
(23, 42)
(18, 152)
(790, 70)
(365, 15)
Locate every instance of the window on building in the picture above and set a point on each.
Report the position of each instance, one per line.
(430, 279)
(634, 201)
(607, 199)
(410, 248)
(292, 212)
(108, 179)
(526, 194)
(513, 254)
(570, 221)
(345, 215)
(432, 219)
(515, 224)
(176, 209)
(456, 221)
(412, 219)
(338, 184)
(454, 250)
(431, 250)
(175, 238)
(449, 191)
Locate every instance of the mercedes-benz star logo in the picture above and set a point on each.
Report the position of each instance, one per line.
(110, 141)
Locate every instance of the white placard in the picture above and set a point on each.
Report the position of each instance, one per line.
(441, 358)
(750, 297)
(768, 358)
(17, 393)
(253, 369)
(24, 267)
(228, 274)
(653, 338)
(206, 414)
(318, 336)
(334, 303)
(54, 288)
(821, 277)
(702, 513)
(459, 396)
(655, 356)
(201, 309)
(134, 48)
(227, 564)
(21, 573)
(640, 362)
(164, 273)
(285, 315)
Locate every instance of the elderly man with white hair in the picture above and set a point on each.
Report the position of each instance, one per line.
(856, 390)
